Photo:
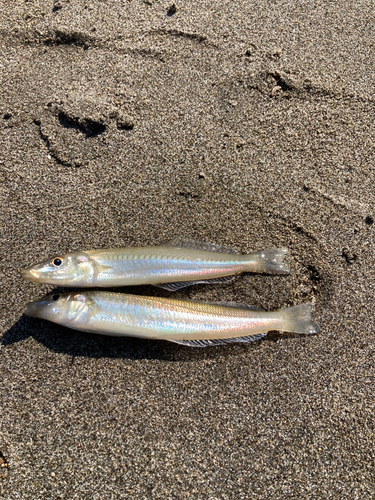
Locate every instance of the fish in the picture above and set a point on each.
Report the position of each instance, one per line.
(187, 322)
(175, 264)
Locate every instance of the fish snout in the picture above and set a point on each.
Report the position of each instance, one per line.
(38, 308)
(31, 309)
(30, 274)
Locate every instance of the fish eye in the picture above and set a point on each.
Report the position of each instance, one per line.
(57, 262)
(55, 297)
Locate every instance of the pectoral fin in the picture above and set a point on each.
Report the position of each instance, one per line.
(100, 269)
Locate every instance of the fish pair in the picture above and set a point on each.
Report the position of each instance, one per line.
(174, 265)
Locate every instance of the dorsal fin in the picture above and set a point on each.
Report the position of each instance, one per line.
(215, 342)
(180, 242)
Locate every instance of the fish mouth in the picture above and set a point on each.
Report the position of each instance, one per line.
(31, 309)
(35, 308)
(30, 274)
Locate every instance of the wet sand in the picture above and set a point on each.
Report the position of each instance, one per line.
(250, 125)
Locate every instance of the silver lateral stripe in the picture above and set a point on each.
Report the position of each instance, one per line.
(215, 342)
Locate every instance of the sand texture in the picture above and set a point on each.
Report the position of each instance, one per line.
(248, 124)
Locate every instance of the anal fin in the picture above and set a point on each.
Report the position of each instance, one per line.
(216, 342)
(236, 305)
(172, 287)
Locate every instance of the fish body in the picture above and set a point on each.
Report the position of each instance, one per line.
(183, 321)
(170, 266)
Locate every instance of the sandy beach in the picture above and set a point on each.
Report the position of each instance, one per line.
(246, 124)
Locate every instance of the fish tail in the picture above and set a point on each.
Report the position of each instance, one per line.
(297, 319)
(269, 261)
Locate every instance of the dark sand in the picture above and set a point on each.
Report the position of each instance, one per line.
(248, 124)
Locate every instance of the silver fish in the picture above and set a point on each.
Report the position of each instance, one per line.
(176, 264)
(186, 322)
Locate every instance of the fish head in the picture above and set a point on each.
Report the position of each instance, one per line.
(60, 308)
(71, 269)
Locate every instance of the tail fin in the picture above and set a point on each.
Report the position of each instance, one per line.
(297, 319)
(270, 261)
